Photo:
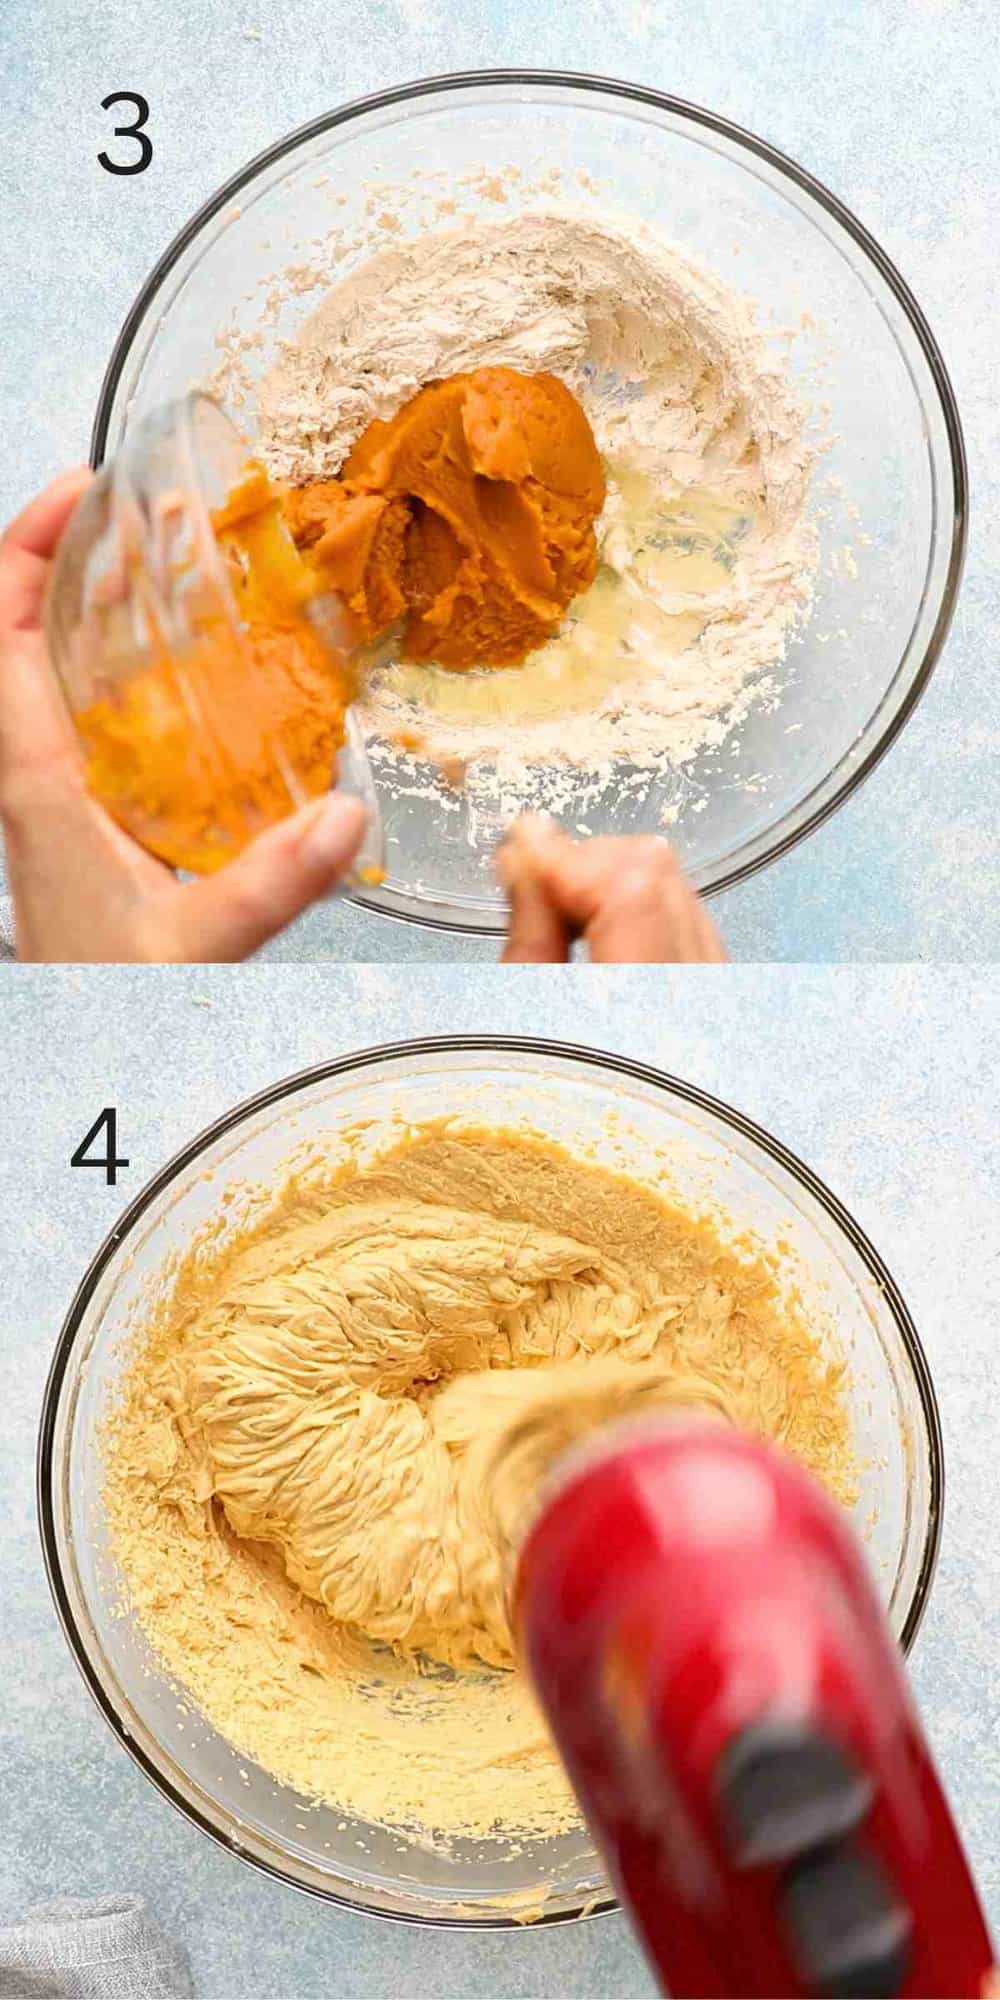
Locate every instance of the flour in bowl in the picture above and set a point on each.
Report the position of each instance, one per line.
(707, 555)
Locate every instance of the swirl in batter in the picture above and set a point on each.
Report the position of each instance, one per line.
(337, 1427)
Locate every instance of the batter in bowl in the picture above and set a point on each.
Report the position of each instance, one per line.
(333, 1429)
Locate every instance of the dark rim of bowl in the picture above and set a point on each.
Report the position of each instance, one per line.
(710, 121)
(495, 1045)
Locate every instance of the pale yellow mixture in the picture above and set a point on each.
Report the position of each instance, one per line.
(332, 1432)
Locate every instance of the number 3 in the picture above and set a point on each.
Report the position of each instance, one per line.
(141, 109)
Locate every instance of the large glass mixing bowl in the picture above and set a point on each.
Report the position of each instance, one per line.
(620, 1112)
(889, 495)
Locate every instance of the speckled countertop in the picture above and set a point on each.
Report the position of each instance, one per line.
(884, 1080)
(890, 103)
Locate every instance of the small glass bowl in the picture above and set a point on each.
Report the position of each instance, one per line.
(139, 587)
(626, 1116)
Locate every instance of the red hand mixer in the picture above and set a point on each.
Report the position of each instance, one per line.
(717, 1672)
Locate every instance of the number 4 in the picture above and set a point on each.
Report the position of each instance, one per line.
(110, 1159)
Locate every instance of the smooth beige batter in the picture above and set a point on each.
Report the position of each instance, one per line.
(333, 1431)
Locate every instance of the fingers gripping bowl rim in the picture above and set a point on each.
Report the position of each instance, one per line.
(867, 655)
(576, 1095)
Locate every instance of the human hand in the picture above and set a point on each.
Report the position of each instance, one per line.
(82, 888)
(625, 897)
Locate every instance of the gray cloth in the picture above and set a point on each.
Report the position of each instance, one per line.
(8, 948)
(106, 1950)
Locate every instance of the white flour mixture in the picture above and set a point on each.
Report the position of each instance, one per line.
(707, 557)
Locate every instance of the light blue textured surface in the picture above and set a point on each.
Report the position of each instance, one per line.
(884, 1080)
(891, 103)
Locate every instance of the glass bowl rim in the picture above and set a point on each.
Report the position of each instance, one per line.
(738, 136)
(568, 1053)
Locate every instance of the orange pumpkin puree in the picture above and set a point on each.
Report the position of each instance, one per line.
(469, 515)
(203, 747)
